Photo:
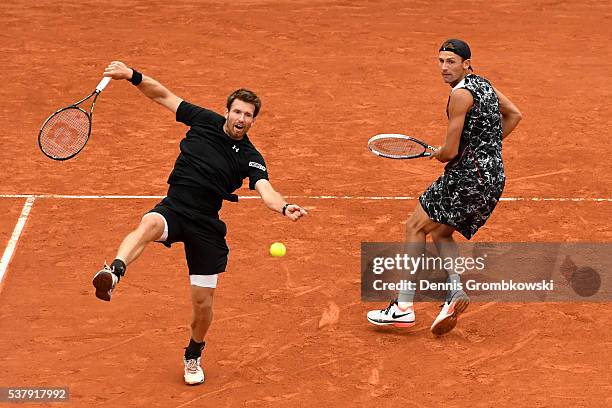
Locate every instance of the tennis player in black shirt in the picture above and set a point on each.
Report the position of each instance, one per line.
(216, 156)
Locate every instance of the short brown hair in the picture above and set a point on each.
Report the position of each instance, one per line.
(245, 96)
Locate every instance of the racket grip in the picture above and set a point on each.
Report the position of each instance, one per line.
(102, 84)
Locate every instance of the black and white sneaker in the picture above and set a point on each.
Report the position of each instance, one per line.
(194, 374)
(393, 315)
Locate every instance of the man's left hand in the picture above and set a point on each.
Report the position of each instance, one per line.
(294, 212)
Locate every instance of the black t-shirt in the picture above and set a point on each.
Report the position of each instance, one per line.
(212, 161)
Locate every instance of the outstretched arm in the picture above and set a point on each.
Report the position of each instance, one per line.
(150, 87)
(276, 202)
(511, 116)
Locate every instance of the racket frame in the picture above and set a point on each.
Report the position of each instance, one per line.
(99, 88)
(400, 136)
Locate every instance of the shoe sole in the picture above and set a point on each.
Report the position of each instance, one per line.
(395, 324)
(449, 322)
(103, 282)
(195, 383)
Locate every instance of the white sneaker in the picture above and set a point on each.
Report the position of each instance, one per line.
(393, 316)
(105, 281)
(194, 374)
(446, 321)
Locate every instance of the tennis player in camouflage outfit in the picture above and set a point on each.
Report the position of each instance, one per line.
(463, 198)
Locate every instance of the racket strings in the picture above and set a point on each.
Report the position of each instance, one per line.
(65, 133)
(397, 147)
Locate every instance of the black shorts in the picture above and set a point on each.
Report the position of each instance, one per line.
(462, 200)
(203, 235)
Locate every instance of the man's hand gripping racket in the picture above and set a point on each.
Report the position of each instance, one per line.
(397, 146)
(66, 132)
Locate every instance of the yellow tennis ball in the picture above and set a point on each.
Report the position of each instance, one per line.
(277, 249)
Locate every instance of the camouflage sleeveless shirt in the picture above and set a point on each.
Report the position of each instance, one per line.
(466, 194)
(480, 148)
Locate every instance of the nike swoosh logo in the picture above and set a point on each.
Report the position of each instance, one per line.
(396, 316)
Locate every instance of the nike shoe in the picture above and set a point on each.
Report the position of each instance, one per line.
(455, 304)
(194, 374)
(393, 316)
(105, 281)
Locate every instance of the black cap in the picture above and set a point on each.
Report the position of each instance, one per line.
(458, 47)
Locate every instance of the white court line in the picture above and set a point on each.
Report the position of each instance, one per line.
(10, 248)
(321, 197)
(8, 253)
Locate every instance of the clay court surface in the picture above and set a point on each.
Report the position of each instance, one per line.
(292, 331)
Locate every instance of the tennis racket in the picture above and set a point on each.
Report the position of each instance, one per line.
(396, 146)
(66, 132)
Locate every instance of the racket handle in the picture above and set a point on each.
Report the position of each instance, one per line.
(102, 84)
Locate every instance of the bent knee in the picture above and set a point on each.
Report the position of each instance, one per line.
(413, 224)
(202, 307)
(441, 233)
(202, 300)
(419, 221)
(152, 226)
